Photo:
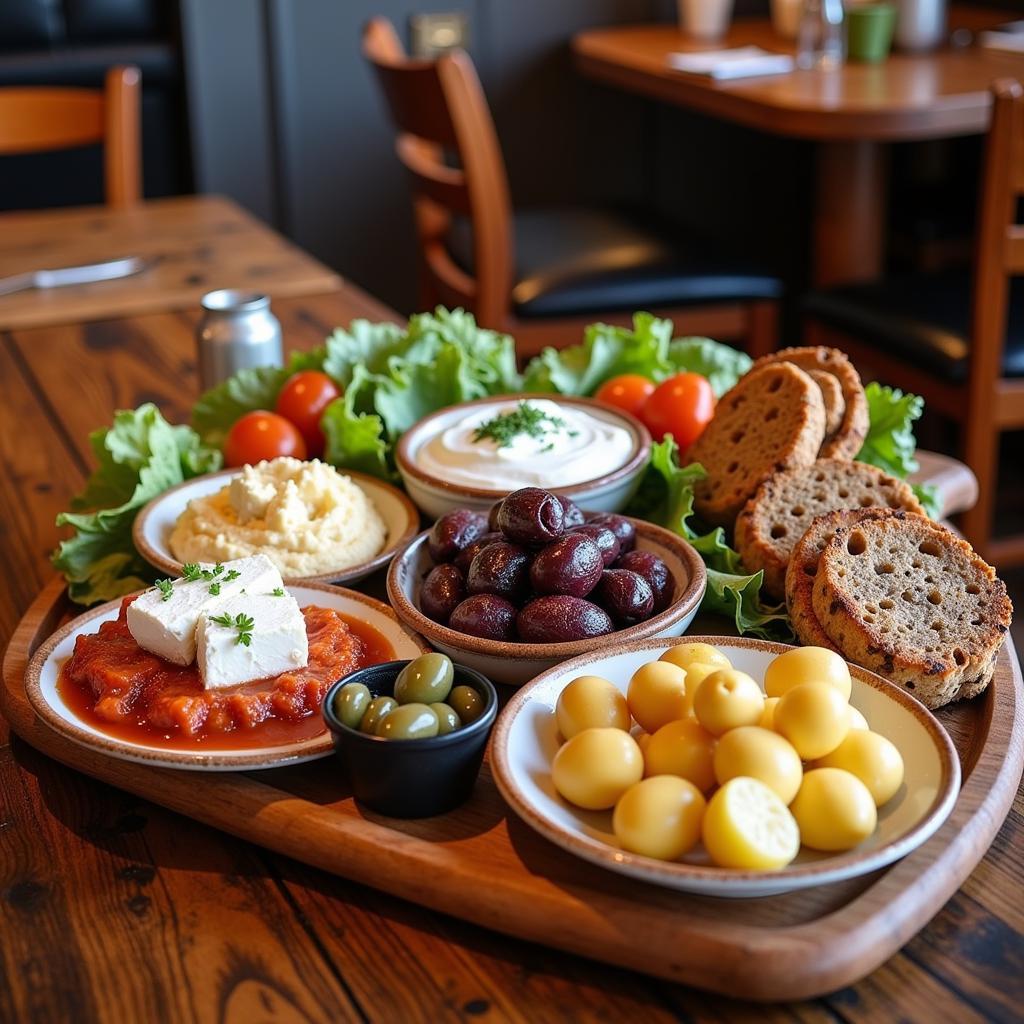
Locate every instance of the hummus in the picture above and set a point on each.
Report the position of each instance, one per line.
(306, 517)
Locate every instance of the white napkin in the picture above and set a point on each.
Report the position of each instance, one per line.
(740, 62)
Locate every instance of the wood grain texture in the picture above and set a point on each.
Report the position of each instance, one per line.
(195, 244)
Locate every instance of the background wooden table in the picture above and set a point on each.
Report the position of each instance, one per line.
(849, 112)
(194, 244)
(114, 909)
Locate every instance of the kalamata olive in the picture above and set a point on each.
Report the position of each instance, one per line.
(454, 531)
(620, 526)
(604, 539)
(408, 722)
(502, 569)
(442, 590)
(467, 703)
(465, 557)
(558, 618)
(625, 595)
(492, 516)
(425, 680)
(531, 516)
(378, 708)
(351, 703)
(447, 719)
(487, 616)
(571, 512)
(655, 571)
(570, 565)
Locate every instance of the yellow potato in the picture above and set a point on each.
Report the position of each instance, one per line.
(657, 694)
(834, 810)
(695, 675)
(727, 699)
(685, 655)
(857, 720)
(814, 717)
(767, 719)
(682, 748)
(595, 767)
(807, 665)
(872, 758)
(642, 738)
(747, 826)
(759, 754)
(590, 702)
(659, 817)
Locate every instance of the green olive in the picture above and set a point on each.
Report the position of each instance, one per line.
(426, 680)
(375, 711)
(448, 720)
(408, 722)
(468, 704)
(351, 703)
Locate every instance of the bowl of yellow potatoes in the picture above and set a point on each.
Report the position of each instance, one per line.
(724, 766)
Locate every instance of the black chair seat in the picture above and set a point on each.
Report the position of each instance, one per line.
(579, 261)
(924, 318)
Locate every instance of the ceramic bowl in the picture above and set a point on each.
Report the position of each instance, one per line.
(153, 526)
(609, 492)
(411, 778)
(526, 739)
(515, 663)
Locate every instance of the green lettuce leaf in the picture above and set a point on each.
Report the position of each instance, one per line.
(928, 495)
(217, 409)
(666, 497)
(890, 443)
(140, 456)
(355, 440)
(723, 366)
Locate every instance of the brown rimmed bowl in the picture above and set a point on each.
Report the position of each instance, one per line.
(152, 528)
(609, 492)
(515, 663)
(526, 739)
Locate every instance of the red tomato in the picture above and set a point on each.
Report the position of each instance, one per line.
(680, 406)
(262, 435)
(628, 392)
(302, 401)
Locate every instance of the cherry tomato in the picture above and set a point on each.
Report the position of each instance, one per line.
(302, 401)
(680, 406)
(628, 392)
(262, 435)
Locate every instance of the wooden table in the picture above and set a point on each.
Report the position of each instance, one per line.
(194, 244)
(849, 112)
(115, 909)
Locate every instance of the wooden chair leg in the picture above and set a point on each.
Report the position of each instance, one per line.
(762, 329)
(981, 441)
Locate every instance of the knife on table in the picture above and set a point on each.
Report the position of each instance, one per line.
(86, 274)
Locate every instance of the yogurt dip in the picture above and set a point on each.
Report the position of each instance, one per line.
(527, 443)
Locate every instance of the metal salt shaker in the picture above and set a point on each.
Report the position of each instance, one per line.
(237, 332)
(921, 24)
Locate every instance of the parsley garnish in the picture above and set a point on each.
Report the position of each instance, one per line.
(191, 571)
(166, 588)
(242, 622)
(277, 592)
(215, 589)
(233, 574)
(524, 419)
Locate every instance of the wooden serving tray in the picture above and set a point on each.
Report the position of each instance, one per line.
(482, 864)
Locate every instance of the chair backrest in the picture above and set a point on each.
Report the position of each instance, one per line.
(439, 110)
(38, 118)
(1000, 238)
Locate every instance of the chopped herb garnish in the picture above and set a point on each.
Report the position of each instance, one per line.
(217, 569)
(233, 574)
(190, 572)
(524, 419)
(166, 588)
(277, 592)
(215, 589)
(242, 622)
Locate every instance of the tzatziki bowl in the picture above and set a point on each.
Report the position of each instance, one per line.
(471, 455)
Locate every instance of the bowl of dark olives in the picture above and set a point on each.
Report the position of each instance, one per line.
(411, 733)
(535, 581)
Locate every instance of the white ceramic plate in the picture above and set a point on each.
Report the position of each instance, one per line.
(44, 670)
(526, 738)
(153, 526)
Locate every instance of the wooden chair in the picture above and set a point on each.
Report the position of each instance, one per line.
(38, 118)
(540, 275)
(956, 338)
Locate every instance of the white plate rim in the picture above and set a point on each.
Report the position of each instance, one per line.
(239, 759)
(697, 878)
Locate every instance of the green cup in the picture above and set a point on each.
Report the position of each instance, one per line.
(869, 32)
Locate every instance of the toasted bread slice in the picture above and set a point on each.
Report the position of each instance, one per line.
(786, 503)
(803, 566)
(848, 438)
(772, 420)
(835, 404)
(907, 598)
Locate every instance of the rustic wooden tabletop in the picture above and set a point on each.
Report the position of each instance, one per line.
(114, 909)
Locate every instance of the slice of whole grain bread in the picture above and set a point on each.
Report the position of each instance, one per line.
(835, 404)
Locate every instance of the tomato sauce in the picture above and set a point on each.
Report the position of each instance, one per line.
(130, 694)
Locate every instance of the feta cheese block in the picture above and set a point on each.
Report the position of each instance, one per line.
(250, 636)
(163, 621)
